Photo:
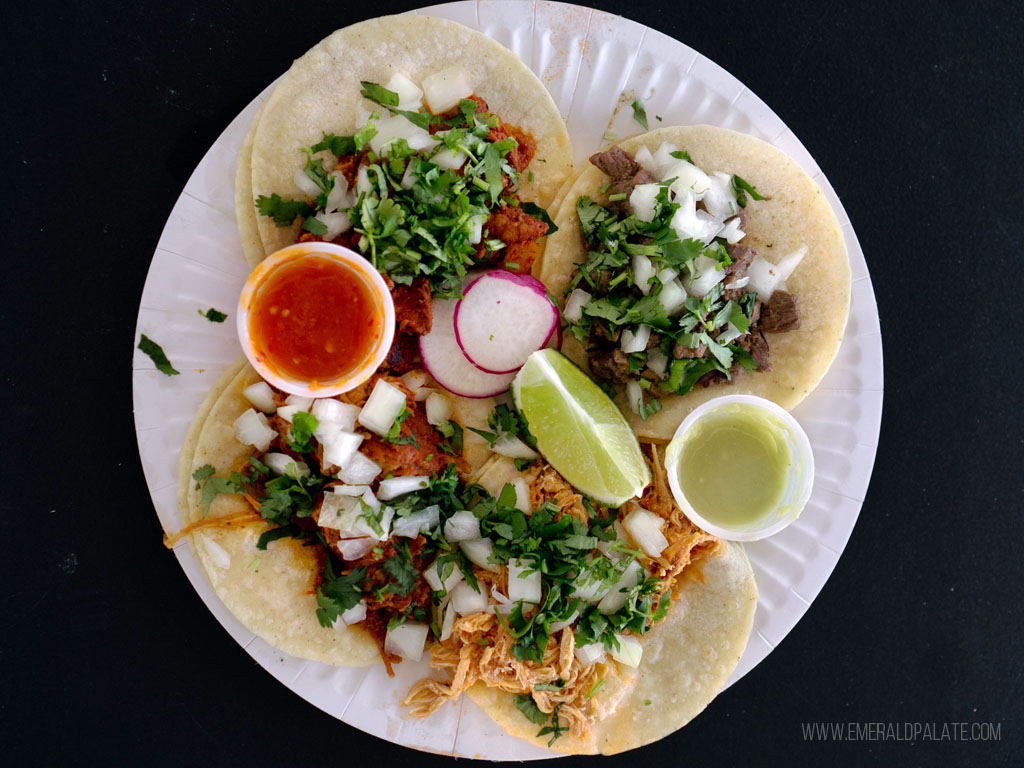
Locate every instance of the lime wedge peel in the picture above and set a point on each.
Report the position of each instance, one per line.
(579, 430)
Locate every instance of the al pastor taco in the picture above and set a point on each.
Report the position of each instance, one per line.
(688, 257)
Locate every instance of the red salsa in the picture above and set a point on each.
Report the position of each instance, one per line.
(315, 320)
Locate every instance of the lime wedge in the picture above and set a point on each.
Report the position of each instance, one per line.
(579, 430)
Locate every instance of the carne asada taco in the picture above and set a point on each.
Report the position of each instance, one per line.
(424, 145)
(691, 256)
(555, 614)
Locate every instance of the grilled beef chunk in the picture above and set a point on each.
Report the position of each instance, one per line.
(611, 366)
(681, 350)
(403, 355)
(625, 186)
(741, 256)
(780, 314)
(412, 305)
(617, 163)
(754, 343)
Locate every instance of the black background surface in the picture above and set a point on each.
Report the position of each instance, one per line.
(913, 110)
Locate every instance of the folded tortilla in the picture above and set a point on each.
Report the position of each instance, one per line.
(321, 93)
(796, 213)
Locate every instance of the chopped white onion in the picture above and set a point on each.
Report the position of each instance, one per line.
(252, 428)
(522, 490)
(355, 614)
(467, 600)
(397, 127)
(720, 199)
(643, 271)
(558, 626)
(462, 526)
(662, 160)
(514, 448)
(287, 412)
(479, 551)
(635, 395)
(216, 552)
(300, 400)
(409, 95)
(409, 177)
(432, 576)
(326, 431)
(764, 278)
(644, 157)
(261, 395)
(732, 232)
(448, 621)
(642, 200)
(740, 282)
(306, 185)
(407, 640)
(279, 463)
(644, 527)
(340, 512)
(635, 341)
(342, 447)
(706, 275)
(363, 183)
(382, 407)
(329, 409)
(359, 470)
(439, 408)
(591, 653)
(353, 549)
(629, 651)
(587, 586)
(523, 586)
(729, 334)
(474, 233)
(616, 597)
(418, 522)
(574, 306)
(414, 379)
(445, 89)
(336, 223)
(447, 159)
(672, 297)
(657, 361)
(790, 262)
(339, 197)
(394, 487)
(350, 490)
(689, 179)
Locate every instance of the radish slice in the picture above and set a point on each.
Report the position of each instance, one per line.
(445, 362)
(502, 319)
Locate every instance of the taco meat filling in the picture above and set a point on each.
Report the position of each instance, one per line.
(668, 297)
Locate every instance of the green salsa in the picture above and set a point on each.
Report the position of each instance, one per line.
(735, 465)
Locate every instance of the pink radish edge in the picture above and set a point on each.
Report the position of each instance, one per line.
(522, 281)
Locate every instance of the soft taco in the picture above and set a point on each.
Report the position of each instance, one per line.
(639, 617)
(691, 256)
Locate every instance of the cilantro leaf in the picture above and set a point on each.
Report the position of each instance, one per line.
(742, 188)
(284, 212)
(303, 426)
(338, 145)
(213, 315)
(202, 473)
(524, 703)
(379, 94)
(156, 354)
(639, 113)
(680, 154)
(337, 595)
(537, 212)
(314, 226)
(402, 572)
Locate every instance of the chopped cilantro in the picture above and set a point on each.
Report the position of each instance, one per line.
(338, 145)
(379, 94)
(402, 572)
(202, 473)
(537, 212)
(639, 113)
(524, 703)
(742, 188)
(213, 315)
(284, 212)
(337, 594)
(680, 154)
(156, 354)
(595, 688)
(303, 426)
(555, 729)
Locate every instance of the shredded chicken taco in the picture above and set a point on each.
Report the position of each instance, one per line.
(691, 257)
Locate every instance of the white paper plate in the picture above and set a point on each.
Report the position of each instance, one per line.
(594, 64)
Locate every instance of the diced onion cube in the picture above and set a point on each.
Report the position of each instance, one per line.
(220, 556)
(252, 428)
(644, 157)
(446, 89)
(706, 275)
(657, 361)
(397, 127)
(359, 470)
(635, 341)
(350, 490)
(363, 183)
(731, 232)
(643, 271)
(407, 640)
(617, 595)
(447, 159)
(423, 521)
(588, 586)
(523, 587)
(353, 549)
(279, 463)
(644, 528)
(287, 412)
(326, 431)
(394, 487)
(790, 262)
(514, 448)
(479, 551)
(729, 334)
(448, 621)
(574, 306)
(522, 490)
(475, 229)
(336, 223)
(764, 278)
(261, 395)
(629, 651)
(672, 297)
(414, 381)
(409, 95)
(591, 653)
(339, 197)
(558, 626)
(689, 179)
(306, 185)
(355, 614)
(303, 402)
(720, 199)
(439, 408)
(339, 512)
(635, 395)
(382, 407)
(662, 160)
(329, 409)
(643, 200)
(341, 449)
(432, 575)
(462, 526)
(467, 600)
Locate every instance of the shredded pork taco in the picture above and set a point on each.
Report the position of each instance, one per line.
(692, 257)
